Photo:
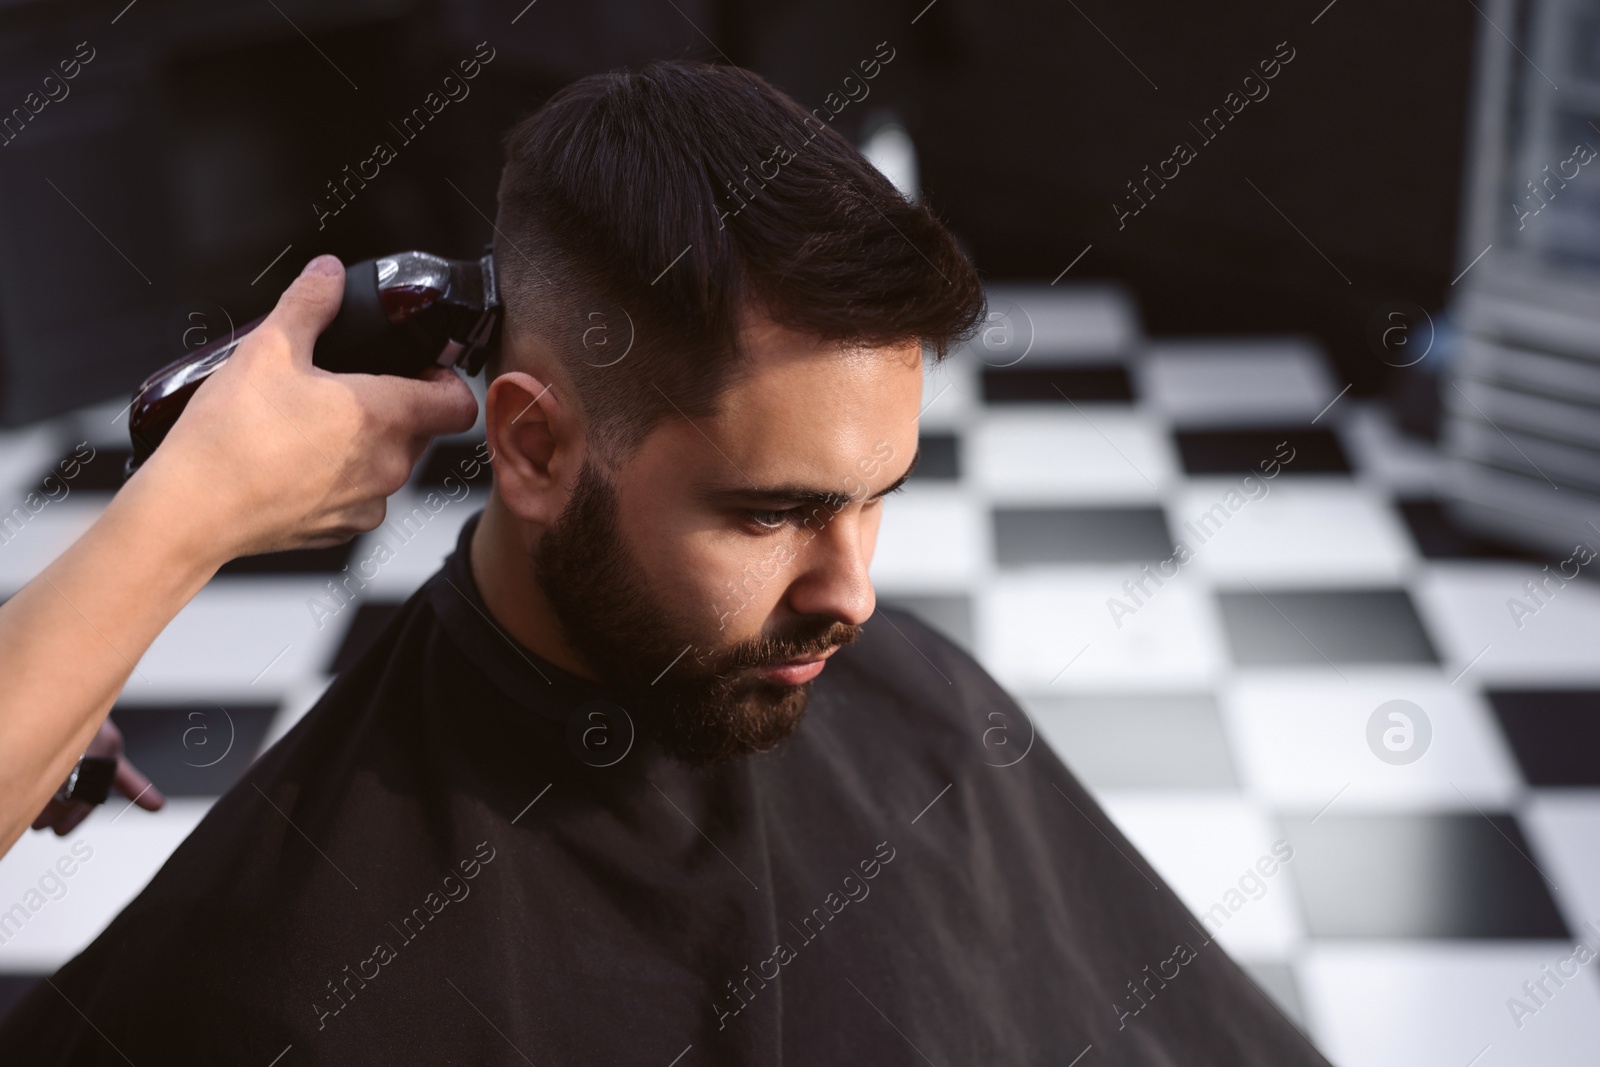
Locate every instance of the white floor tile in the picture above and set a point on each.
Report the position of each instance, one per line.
(104, 424)
(30, 544)
(1051, 325)
(1467, 609)
(1032, 625)
(1310, 533)
(930, 536)
(413, 541)
(1302, 743)
(1208, 849)
(26, 454)
(1057, 454)
(241, 638)
(120, 848)
(1384, 455)
(1444, 1004)
(1563, 825)
(1236, 381)
(952, 395)
(1138, 741)
(296, 702)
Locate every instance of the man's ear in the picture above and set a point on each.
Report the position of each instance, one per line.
(536, 446)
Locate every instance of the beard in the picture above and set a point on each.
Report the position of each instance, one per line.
(700, 701)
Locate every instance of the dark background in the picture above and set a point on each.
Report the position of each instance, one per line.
(189, 152)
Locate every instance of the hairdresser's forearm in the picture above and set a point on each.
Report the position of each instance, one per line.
(70, 638)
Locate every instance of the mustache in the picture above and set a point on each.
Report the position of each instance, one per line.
(802, 643)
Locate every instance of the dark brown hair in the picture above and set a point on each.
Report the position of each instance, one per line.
(650, 208)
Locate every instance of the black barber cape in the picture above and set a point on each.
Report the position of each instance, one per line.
(459, 856)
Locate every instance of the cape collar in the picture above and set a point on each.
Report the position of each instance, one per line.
(527, 678)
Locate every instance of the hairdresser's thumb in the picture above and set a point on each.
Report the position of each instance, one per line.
(309, 304)
(441, 402)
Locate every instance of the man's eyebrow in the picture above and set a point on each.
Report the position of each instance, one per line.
(898, 482)
(799, 494)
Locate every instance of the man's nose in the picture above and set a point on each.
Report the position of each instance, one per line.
(835, 582)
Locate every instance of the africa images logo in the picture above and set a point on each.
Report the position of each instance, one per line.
(1398, 732)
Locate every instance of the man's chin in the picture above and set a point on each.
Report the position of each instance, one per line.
(750, 715)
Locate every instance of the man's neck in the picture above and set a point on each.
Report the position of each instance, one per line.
(503, 570)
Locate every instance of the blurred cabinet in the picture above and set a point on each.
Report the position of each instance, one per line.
(160, 178)
(1522, 403)
(177, 180)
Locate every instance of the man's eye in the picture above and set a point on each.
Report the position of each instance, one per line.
(770, 520)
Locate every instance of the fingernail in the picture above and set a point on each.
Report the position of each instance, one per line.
(323, 264)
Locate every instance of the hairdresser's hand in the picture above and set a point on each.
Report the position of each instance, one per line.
(63, 818)
(273, 453)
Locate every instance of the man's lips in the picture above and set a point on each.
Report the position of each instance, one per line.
(796, 671)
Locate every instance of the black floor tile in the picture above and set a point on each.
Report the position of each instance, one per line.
(100, 473)
(1555, 733)
(1314, 451)
(13, 987)
(193, 750)
(950, 615)
(328, 560)
(1057, 385)
(1312, 627)
(1437, 536)
(451, 458)
(1024, 536)
(1400, 875)
(939, 457)
(370, 619)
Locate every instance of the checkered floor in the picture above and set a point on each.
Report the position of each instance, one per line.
(1219, 703)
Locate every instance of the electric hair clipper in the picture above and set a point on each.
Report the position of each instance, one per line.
(400, 315)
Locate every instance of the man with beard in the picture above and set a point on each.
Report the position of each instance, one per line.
(641, 775)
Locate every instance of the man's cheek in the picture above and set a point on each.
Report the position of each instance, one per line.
(710, 588)
(750, 587)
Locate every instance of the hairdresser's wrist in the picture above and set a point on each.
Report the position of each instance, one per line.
(179, 519)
